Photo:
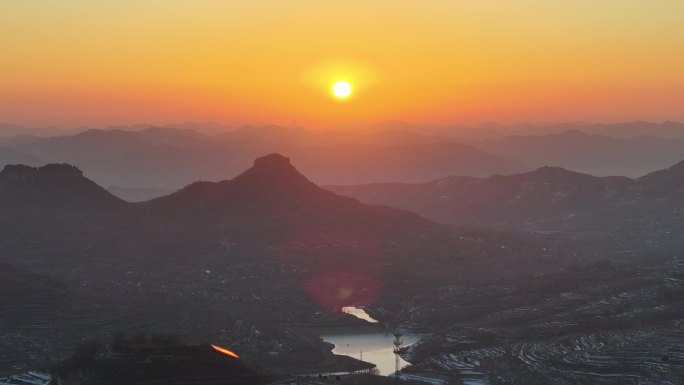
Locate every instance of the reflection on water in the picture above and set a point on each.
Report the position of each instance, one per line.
(376, 348)
(359, 313)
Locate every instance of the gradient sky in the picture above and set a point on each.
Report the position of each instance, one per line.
(78, 62)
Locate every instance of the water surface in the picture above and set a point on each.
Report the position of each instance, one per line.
(373, 347)
(376, 348)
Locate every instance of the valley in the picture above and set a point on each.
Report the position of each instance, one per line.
(263, 262)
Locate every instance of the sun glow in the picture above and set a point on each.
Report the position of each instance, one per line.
(342, 89)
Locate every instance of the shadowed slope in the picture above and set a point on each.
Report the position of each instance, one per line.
(52, 186)
(543, 193)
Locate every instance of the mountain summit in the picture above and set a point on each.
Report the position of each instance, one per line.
(274, 161)
(273, 170)
(275, 190)
(50, 171)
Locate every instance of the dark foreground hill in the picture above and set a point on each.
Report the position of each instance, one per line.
(160, 364)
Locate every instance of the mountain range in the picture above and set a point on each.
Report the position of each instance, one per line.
(254, 262)
(168, 158)
(645, 210)
(493, 131)
(213, 261)
(143, 162)
(590, 153)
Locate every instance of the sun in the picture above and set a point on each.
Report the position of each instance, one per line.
(342, 89)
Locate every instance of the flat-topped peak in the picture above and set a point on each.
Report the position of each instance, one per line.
(554, 171)
(51, 186)
(270, 161)
(20, 171)
(272, 169)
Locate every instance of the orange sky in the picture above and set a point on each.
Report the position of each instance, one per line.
(77, 62)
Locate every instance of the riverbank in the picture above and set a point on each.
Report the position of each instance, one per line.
(376, 348)
(340, 323)
(330, 364)
(374, 342)
(353, 342)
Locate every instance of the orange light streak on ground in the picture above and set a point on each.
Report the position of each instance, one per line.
(225, 351)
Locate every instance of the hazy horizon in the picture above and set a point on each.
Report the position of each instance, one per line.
(217, 127)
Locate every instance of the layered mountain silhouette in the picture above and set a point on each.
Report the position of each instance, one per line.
(549, 198)
(165, 158)
(590, 153)
(244, 259)
(271, 193)
(10, 156)
(241, 261)
(168, 158)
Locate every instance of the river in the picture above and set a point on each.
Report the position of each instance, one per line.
(376, 348)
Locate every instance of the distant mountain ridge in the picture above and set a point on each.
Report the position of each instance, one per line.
(10, 156)
(590, 153)
(151, 158)
(549, 198)
(168, 158)
(466, 200)
(493, 130)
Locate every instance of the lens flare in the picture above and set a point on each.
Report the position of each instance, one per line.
(336, 289)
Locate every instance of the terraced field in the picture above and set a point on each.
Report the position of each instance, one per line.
(625, 328)
(30, 378)
(641, 356)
